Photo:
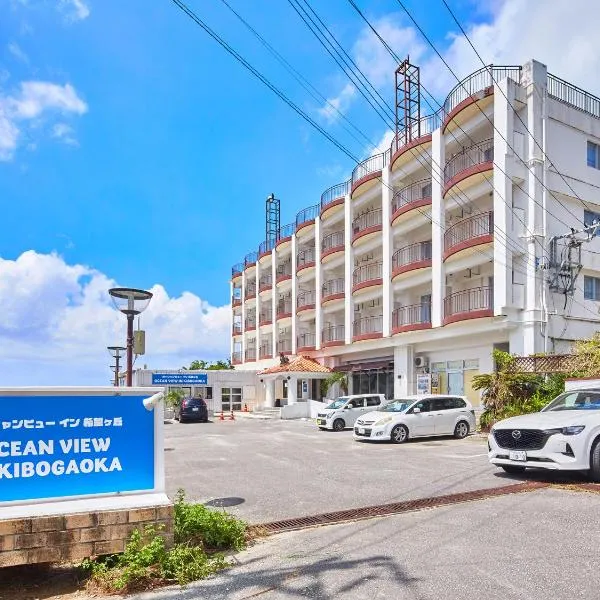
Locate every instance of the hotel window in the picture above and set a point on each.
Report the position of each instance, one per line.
(593, 155)
(591, 288)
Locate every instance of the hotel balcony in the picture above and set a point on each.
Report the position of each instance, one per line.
(236, 298)
(411, 318)
(367, 276)
(237, 329)
(284, 236)
(411, 201)
(305, 259)
(469, 166)
(473, 303)
(367, 328)
(236, 358)
(306, 300)
(250, 354)
(250, 291)
(250, 324)
(411, 258)
(305, 219)
(237, 270)
(284, 346)
(465, 236)
(305, 342)
(265, 318)
(332, 289)
(284, 308)
(410, 142)
(265, 283)
(366, 225)
(284, 272)
(332, 245)
(265, 351)
(366, 173)
(264, 250)
(332, 199)
(334, 335)
(250, 260)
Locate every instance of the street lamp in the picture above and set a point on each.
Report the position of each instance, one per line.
(130, 302)
(115, 352)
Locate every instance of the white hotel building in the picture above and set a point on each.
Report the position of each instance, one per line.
(438, 250)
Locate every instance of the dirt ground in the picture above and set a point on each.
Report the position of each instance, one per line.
(41, 582)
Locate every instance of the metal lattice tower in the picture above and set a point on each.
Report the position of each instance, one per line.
(408, 101)
(273, 219)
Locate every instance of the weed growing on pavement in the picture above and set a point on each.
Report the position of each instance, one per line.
(147, 562)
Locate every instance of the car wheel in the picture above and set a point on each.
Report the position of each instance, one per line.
(594, 472)
(461, 430)
(399, 434)
(513, 469)
(339, 425)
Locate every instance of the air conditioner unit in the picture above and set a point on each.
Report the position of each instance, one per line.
(421, 361)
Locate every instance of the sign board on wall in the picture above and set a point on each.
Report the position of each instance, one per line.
(65, 444)
(179, 379)
(423, 383)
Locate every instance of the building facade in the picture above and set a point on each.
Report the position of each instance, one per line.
(440, 249)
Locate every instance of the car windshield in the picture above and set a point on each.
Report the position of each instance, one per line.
(338, 403)
(579, 400)
(396, 406)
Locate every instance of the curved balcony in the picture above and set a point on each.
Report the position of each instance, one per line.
(250, 260)
(306, 300)
(306, 217)
(265, 248)
(305, 342)
(411, 258)
(236, 299)
(236, 358)
(468, 233)
(332, 244)
(367, 276)
(411, 318)
(367, 328)
(284, 308)
(366, 172)
(407, 140)
(265, 352)
(250, 354)
(283, 272)
(237, 270)
(250, 324)
(305, 259)
(265, 318)
(366, 224)
(410, 198)
(250, 291)
(284, 347)
(473, 90)
(334, 196)
(470, 163)
(468, 304)
(284, 235)
(332, 290)
(265, 283)
(237, 329)
(334, 335)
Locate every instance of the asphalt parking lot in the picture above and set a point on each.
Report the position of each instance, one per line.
(284, 469)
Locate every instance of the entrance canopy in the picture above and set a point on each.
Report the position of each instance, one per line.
(302, 367)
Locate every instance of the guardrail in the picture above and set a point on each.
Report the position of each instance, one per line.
(413, 253)
(366, 220)
(266, 247)
(284, 307)
(332, 240)
(265, 318)
(237, 270)
(265, 282)
(366, 325)
(306, 340)
(339, 190)
(414, 314)
(305, 257)
(469, 157)
(284, 346)
(425, 126)
(570, 94)
(470, 228)
(466, 301)
(373, 164)
(368, 272)
(286, 231)
(266, 351)
(308, 214)
(415, 192)
(236, 357)
(332, 287)
(333, 333)
(250, 354)
(306, 298)
(250, 291)
(250, 258)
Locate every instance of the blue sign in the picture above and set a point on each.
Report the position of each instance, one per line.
(62, 446)
(179, 379)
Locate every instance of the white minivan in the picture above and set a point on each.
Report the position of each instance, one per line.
(344, 411)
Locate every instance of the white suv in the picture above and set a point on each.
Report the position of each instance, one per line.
(417, 416)
(343, 411)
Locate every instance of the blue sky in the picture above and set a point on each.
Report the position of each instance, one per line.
(140, 153)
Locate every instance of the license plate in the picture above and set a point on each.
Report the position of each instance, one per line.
(320, 422)
(195, 409)
(361, 430)
(518, 455)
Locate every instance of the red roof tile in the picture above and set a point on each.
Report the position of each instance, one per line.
(301, 364)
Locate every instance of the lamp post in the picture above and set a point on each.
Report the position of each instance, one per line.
(115, 352)
(130, 302)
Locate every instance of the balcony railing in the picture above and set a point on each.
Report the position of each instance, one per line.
(265, 282)
(250, 259)
(236, 297)
(250, 291)
(367, 325)
(368, 272)
(237, 270)
(286, 231)
(265, 351)
(415, 316)
(480, 153)
(266, 247)
(415, 193)
(366, 220)
(284, 271)
(425, 126)
(250, 324)
(339, 190)
(373, 164)
(284, 308)
(333, 287)
(308, 214)
(477, 82)
(468, 230)
(333, 334)
(461, 304)
(284, 346)
(411, 254)
(305, 257)
(236, 357)
(306, 299)
(573, 96)
(250, 354)
(237, 328)
(265, 318)
(332, 240)
(305, 340)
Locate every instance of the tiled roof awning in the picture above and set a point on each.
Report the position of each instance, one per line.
(301, 364)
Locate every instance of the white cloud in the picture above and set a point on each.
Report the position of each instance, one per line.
(57, 319)
(75, 10)
(65, 134)
(18, 52)
(384, 143)
(34, 100)
(338, 104)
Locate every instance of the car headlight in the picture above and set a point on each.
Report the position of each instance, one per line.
(571, 430)
(383, 421)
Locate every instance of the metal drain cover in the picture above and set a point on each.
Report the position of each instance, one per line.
(222, 502)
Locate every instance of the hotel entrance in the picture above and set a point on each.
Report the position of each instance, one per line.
(372, 378)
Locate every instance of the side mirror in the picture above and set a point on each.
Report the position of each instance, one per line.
(416, 410)
(348, 406)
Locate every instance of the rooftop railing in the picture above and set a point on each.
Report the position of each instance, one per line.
(286, 231)
(237, 270)
(339, 190)
(570, 94)
(266, 247)
(373, 164)
(308, 214)
(250, 258)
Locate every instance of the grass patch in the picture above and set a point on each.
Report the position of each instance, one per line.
(201, 535)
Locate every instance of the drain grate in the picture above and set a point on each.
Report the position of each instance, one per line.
(368, 512)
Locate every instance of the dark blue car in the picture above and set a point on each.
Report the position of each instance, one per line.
(192, 409)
